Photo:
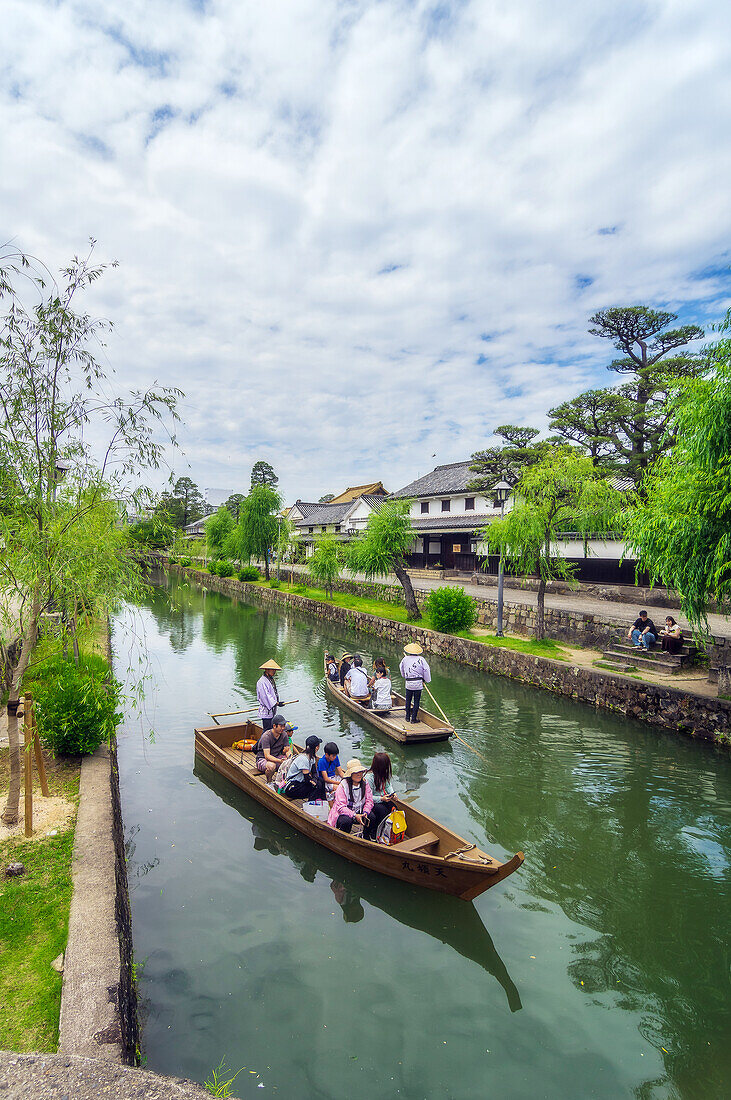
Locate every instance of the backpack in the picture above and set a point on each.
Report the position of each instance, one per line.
(392, 829)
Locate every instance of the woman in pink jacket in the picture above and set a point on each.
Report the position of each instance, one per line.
(353, 799)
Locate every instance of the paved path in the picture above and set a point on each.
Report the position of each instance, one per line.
(614, 610)
(65, 1077)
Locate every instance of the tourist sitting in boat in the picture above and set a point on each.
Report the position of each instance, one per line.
(272, 747)
(671, 636)
(379, 663)
(356, 683)
(345, 667)
(303, 777)
(381, 698)
(353, 799)
(330, 769)
(332, 668)
(382, 791)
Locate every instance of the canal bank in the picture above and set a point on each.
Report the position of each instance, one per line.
(573, 978)
(680, 711)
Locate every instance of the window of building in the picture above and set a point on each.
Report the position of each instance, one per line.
(311, 529)
(323, 528)
(424, 507)
(469, 504)
(337, 526)
(446, 505)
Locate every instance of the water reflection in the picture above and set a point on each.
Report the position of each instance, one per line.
(449, 920)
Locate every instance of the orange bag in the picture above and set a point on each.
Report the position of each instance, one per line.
(244, 746)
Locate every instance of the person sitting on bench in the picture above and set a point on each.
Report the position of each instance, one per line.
(353, 799)
(303, 777)
(382, 699)
(356, 682)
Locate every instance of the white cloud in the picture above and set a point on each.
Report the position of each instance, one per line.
(320, 207)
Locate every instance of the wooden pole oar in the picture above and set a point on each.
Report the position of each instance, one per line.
(460, 739)
(246, 710)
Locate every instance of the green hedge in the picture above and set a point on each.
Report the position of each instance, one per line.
(451, 610)
(76, 707)
(249, 573)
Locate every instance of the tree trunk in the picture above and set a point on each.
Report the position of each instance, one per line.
(266, 564)
(10, 813)
(412, 608)
(540, 619)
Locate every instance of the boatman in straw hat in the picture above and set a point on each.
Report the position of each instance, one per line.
(267, 694)
(416, 673)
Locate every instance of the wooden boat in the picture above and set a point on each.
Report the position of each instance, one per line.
(431, 855)
(393, 722)
(445, 919)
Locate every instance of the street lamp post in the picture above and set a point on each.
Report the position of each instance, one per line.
(502, 491)
(279, 543)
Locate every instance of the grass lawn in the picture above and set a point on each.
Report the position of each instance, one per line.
(397, 613)
(34, 918)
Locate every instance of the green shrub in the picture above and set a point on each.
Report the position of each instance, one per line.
(249, 573)
(274, 583)
(225, 569)
(301, 589)
(173, 559)
(76, 708)
(451, 609)
(186, 562)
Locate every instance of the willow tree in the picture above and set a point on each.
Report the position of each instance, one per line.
(384, 546)
(681, 531)
(60, 525)
(256, 531)
(326, 562)
(562, 492)
(218, 527)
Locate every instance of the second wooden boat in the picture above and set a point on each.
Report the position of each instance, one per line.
(431, 855)
(393, 722)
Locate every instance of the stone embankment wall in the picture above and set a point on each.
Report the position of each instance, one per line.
(572, 627)
(670, 708)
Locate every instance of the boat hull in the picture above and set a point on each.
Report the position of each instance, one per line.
(429, 727)
(463, 876)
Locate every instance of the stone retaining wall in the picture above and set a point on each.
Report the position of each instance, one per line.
(670, 708)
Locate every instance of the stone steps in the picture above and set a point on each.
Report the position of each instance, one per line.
(669, 664)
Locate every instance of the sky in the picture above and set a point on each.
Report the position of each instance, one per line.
(360, 234)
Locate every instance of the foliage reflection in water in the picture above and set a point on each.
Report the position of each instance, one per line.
(327, 980)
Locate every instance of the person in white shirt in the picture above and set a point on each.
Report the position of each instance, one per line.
(356, 682)
(416, 673)
(382, 691)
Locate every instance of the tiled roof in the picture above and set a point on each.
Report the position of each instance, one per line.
(374, 500)
(320, 513)
(443, 480)
(354, 491)
(467, 521)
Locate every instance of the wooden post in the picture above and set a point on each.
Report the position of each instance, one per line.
(28, 759)
(40, 763)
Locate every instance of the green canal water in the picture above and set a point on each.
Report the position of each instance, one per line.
(600, 969)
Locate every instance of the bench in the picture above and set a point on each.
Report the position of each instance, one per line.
(424, 842)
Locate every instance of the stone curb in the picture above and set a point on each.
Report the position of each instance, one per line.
(68, 1077)
(90, 1022)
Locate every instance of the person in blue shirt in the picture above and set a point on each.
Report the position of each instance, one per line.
(330, 770)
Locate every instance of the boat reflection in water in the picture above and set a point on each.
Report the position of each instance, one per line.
(451, 921)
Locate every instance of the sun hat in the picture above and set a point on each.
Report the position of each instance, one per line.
(289, 728)
(347, 657)
(354, 766)
(413, 649)
(279, 720)
(271, 664)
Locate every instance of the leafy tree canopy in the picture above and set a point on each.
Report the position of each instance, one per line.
(326, 562)
(681, 531)
(233, 503)
(506, 461)
(383, 547)
(256, 532)
(218, 528)
(263, 474)
(184, 504)
(626, 428)
(326, 498)
(562, 492)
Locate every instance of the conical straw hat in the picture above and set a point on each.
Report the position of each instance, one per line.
(413, 649)
(271, 664)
